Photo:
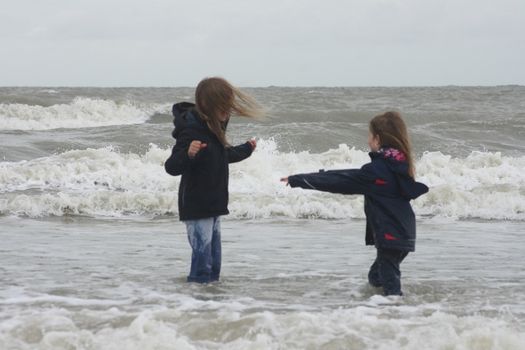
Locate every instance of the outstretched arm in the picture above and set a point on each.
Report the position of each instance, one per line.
(349, 181)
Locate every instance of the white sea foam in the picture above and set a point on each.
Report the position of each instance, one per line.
(483, 185)
(180, 327)
(105, 182)
(80, 113)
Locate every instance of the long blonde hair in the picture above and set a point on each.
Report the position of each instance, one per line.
(392, 131)
(215, 96)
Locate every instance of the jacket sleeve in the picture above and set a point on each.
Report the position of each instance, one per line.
(179, 160)
(349, 181)
(238, 153)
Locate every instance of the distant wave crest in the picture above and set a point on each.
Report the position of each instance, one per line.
(80, 113)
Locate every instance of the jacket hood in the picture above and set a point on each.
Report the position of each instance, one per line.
(397, 162)
(186, 116)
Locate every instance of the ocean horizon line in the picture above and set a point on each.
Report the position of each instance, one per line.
(257, 87)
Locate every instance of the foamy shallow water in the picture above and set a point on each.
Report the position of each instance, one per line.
(295, 284)
(93, 257)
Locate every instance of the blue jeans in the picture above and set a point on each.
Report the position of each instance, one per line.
(385, 271)
(204, 236)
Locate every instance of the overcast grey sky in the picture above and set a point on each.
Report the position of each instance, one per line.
(261, 43)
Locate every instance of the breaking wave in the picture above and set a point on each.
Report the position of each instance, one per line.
(80, 113)
(105, 182)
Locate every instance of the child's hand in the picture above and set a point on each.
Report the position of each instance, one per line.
(195, 147)
(253, 143)
(285, 180)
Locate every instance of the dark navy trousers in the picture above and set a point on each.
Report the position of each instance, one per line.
(385, 271)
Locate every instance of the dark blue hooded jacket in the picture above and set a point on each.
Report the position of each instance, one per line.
(203, 189)
(388, 189)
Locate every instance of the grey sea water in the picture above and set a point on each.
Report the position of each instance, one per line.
(93, 255)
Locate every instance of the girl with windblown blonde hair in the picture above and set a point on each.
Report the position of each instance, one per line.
(201, 155)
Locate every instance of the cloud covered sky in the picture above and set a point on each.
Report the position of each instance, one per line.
(261, 43)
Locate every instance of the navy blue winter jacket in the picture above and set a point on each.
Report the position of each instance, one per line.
(203, 189)
(388, 189)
